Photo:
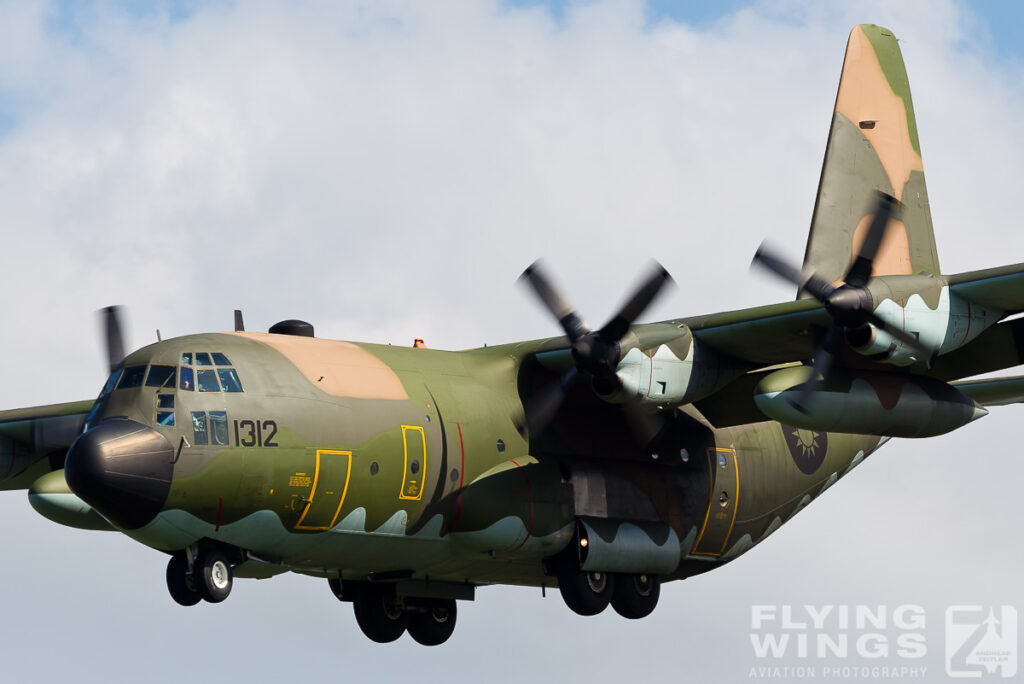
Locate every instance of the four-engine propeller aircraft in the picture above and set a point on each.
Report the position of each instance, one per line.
(603, 461)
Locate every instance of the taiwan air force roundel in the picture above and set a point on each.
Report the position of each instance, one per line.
(806, 447)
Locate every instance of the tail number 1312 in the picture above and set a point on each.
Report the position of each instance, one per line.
(255, 433)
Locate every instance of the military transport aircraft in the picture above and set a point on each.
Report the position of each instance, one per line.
(603, 462)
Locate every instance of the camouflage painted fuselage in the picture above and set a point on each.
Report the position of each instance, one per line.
(360, 459)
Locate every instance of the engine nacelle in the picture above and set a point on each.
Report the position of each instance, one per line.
(943, 327)
(51, 498)
(675, 373)
(867, 403)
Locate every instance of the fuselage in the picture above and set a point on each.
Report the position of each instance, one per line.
(335, 458)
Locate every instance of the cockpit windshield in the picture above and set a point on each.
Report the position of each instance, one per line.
(132, 377)
(209, 373)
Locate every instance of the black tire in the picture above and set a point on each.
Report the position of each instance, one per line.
(213, 576)
(586, 593)
(433, 626)
(636, 596)
(179, 583)
(379, 616)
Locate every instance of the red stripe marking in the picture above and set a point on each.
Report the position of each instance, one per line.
(220, 511)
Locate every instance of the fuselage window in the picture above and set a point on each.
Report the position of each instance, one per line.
(165, 401)
(161, 376)
(165, 418)
(203, 359)
(207, 380)
(219, 427)
(229, 379)
(220, 359)
(199, 434)
(186, 358)
(132, 377)
(187, 381)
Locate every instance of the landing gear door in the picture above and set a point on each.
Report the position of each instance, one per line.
(723, 472)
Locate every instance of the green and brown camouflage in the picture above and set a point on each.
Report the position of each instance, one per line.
(410, 476)
(872, 145)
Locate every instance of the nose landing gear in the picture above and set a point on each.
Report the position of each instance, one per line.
(202, 576)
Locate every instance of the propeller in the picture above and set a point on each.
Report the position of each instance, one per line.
(850, 305)
(112, 335)
(595, 353)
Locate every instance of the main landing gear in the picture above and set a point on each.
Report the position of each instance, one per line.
(384, 617)
(632, 596)
(202, 576)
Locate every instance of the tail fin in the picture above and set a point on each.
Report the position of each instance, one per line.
(872, 145)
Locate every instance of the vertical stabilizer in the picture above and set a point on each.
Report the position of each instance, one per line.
(872, 145)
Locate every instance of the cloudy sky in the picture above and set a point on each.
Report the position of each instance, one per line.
(385, 170)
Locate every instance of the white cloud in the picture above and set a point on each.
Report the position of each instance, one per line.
(386, 170)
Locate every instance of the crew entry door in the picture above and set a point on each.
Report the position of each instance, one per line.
(331, 473)
(724, 480)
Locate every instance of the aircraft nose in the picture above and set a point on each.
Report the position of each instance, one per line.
(122, 469)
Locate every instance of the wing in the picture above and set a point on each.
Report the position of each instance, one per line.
(787, 332)
(33, 441)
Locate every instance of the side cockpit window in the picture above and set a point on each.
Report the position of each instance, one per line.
(200, 435)
(212, 429)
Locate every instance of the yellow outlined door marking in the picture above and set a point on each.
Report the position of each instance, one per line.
(722, 503)
(414, 444)
(330, 485)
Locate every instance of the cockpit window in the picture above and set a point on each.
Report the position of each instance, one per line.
(207, 380)
(219, 427)
(161, 376)
(111, 381)
(203, 359)
(132, 377)
(186, 358)
(229, 379)
(220, 359)
(199, 434)
(187, 381)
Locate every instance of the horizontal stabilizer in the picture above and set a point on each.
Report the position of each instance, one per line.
(999, 288)
(995, 391)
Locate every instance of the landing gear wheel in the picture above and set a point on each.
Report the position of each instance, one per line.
(433, 626)
(586, 593)
(213, 575)
(179, 582)
(378, 614)
(636, 596)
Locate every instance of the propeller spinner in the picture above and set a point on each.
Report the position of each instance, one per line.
(595, 353)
